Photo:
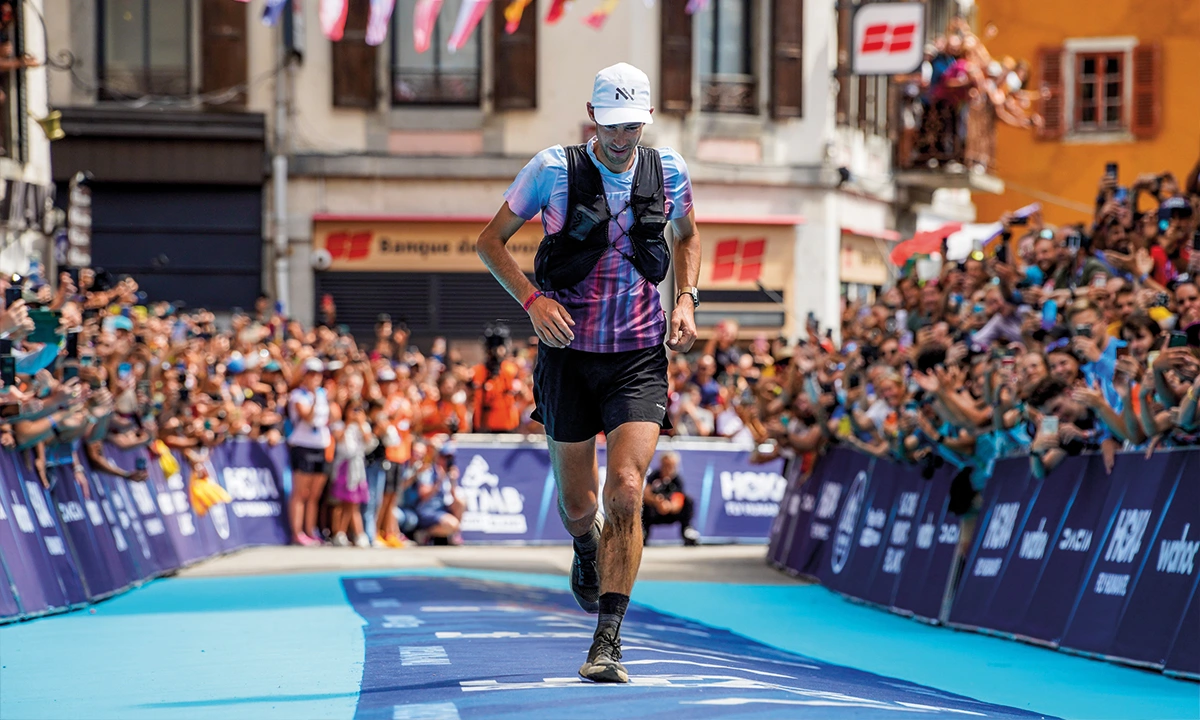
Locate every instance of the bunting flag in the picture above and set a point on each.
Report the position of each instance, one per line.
(600, 14)
(381, 18)
(424, 18)
(470, 12)
(695, 6)
(557, 9)
(512, 15)
(333, 18)
(272, 11)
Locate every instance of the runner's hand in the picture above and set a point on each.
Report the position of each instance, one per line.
(683, 327)
(551, 322)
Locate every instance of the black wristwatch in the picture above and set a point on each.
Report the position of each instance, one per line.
(692, 292)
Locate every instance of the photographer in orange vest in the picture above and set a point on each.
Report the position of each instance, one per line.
(496, 384)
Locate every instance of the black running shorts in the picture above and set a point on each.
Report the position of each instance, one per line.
(307, 460)
(580, 394)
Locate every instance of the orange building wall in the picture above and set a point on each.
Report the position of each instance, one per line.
(1072, 170)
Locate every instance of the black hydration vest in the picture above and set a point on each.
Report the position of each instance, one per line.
(568, 256)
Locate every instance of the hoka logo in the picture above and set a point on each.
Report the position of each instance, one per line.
(1178, 556)
(1127, 536)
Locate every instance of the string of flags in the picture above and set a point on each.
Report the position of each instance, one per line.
(332, 15)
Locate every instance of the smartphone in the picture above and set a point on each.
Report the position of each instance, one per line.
(855, 381)
(1049, 425)
(1121, 194)
(72, 345)
(1177, 339)
(8, 369)
(1110, 169)
(11, 409)
(1083, 330)
(140, 464)
(1196, 240)
(45, 325)
(1100, 281)
(12, 293)
(124, 370)
(70, 372)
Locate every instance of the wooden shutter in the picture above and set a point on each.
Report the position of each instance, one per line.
(675, 57)
(514, 61)
(355, 76)
(1051, 103)
(223, 48)
(1145, 115)
(787, 59)
(843, 62)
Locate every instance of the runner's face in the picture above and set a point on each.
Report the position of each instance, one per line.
(616, 144)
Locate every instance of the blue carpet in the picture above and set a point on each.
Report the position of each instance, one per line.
(291, 646)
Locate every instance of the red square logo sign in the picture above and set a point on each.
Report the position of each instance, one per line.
(887, 38)
(736, 260)
(348, 246)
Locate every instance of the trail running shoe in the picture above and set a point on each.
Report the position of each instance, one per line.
(585, 576)
(604, 659)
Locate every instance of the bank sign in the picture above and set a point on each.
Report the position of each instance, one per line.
(888, 38)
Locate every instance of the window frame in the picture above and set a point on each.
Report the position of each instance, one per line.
(192, 67)
(1101, 100)
(1075, 50)
(436, 44)
(706, 74)
(16, 125)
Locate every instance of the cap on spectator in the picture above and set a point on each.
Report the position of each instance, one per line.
(1174, 207)
(236, 364)
(334, 365)
(448, 449)
(119, 322)
(383, 318)
(271, 366)
(314, 365)
(386, 375)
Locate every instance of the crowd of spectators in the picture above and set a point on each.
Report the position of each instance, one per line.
(1051, 341)
(1047, 342)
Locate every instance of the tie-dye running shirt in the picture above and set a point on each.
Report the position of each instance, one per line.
(615, 309)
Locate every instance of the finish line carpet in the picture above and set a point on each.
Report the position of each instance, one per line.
(464, 644)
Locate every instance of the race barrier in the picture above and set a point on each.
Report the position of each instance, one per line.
(61, 548)
(1084, 561)
(512, 497)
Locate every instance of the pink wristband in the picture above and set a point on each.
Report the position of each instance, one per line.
(536, 294)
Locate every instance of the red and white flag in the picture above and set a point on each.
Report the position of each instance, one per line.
(333, 18)
(470, 12)
(381, 18)
(424, 18)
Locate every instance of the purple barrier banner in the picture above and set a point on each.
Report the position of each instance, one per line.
(1121, 552)
(60, 561)
(795, 511)
(1046, 503)
(253, 475)
(1167, 579)
(839, 549)
(821, 499)
(864, 554)
(511, 495)
(107, 533)
(1049, 608)
(8, 601)
(35, 585)
(927, 564)
(171, 496)
(899, 536)
(134, 503)
(1184, 656)
(65, 493)
(129, 546)
(1007, 500)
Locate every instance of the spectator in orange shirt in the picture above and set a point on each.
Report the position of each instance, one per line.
(444, 410)
(497, 385)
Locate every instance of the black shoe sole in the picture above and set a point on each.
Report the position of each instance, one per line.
(604, 673)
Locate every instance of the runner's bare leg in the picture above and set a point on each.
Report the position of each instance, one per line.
(630, 450)
(577, 475)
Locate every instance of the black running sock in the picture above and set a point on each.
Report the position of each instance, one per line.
(612, 611)
(587, 543)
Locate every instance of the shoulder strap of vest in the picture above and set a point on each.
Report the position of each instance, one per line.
(648, 182)
(583, 179)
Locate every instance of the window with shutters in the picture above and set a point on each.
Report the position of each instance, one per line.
(728, 82)
(149, 48)
(1099, 88)
(145, 48)
(436, 76)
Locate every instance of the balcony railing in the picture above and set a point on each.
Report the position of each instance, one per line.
(952, 136)
(728, 94)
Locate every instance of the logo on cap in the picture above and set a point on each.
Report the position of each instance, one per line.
(625, 93)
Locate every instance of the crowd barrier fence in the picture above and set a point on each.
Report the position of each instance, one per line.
(1083, 561)
(60, 550)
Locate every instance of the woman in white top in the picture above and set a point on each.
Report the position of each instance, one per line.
(309, 410)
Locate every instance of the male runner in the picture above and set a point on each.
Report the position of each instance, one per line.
(596, 310)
